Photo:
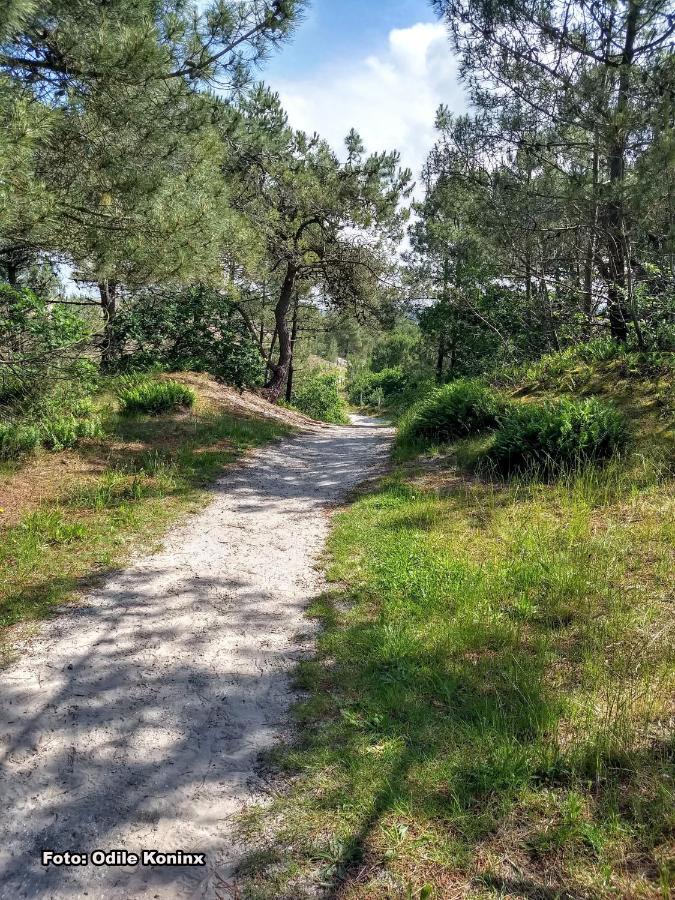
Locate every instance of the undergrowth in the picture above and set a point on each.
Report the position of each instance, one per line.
(155, 397)
(458, 409)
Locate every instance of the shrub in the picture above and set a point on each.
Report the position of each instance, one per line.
(155, 397)
(549, 438)
(16, 440)
(63, 432)
(450, 412)
(375, 388)
(196, 329)
(319, 397)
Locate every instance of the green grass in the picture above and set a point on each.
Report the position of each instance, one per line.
(490, 710)
(153, 473)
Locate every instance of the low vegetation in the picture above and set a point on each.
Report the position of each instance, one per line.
(17, 439)
(490, 709)
(319, 396)
(155, 397)
(63, 432)
(547, 438)
(383, 388)
(456, 410)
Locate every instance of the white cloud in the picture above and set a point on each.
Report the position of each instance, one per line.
(390, 98)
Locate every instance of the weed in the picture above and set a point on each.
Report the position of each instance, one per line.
(63, 432)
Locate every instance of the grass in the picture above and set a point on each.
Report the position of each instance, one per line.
(490, 710)
(145, 474)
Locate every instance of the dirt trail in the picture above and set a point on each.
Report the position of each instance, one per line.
(135, 720)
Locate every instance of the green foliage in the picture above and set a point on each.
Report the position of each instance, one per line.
(456, 410)
(560, 435)
(570, 368)
(64, 432)
(397, 349)
(377, 388)
(155, 397)
(322, 222)
(17, 439)
(319, 397)
(192, 329)
(39, 346)
(126, 178)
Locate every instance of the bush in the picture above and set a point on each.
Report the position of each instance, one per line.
(319, 397)
(64, 432)
(155, 397)
(548, 438)
(16, 440)
(189, 329)
(450, 412)
(375, 388)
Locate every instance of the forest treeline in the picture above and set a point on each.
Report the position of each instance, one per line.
(141, 161)
(548, 214)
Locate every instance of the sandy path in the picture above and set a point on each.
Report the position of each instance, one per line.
(135, 720)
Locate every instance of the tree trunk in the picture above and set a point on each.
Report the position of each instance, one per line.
(615, 225)
(591, 246)
(108, 292)
(440, 359)
(276, 383)
(294, 336)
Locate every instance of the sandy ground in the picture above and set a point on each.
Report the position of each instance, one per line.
(135, 720)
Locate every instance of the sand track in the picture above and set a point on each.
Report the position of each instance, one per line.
(135, 720)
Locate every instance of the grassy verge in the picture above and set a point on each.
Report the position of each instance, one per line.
(143, 475)
(490, 712)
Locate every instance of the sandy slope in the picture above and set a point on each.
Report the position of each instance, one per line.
(134, 721)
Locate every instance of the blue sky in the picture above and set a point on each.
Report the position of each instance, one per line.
(344, 29)
(381, 66)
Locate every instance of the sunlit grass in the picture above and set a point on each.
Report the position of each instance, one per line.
(490, 712)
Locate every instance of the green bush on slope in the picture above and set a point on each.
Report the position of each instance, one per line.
(551, 437)
(155, 397)
(454, 411)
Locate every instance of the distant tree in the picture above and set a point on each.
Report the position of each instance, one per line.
(323, 223)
